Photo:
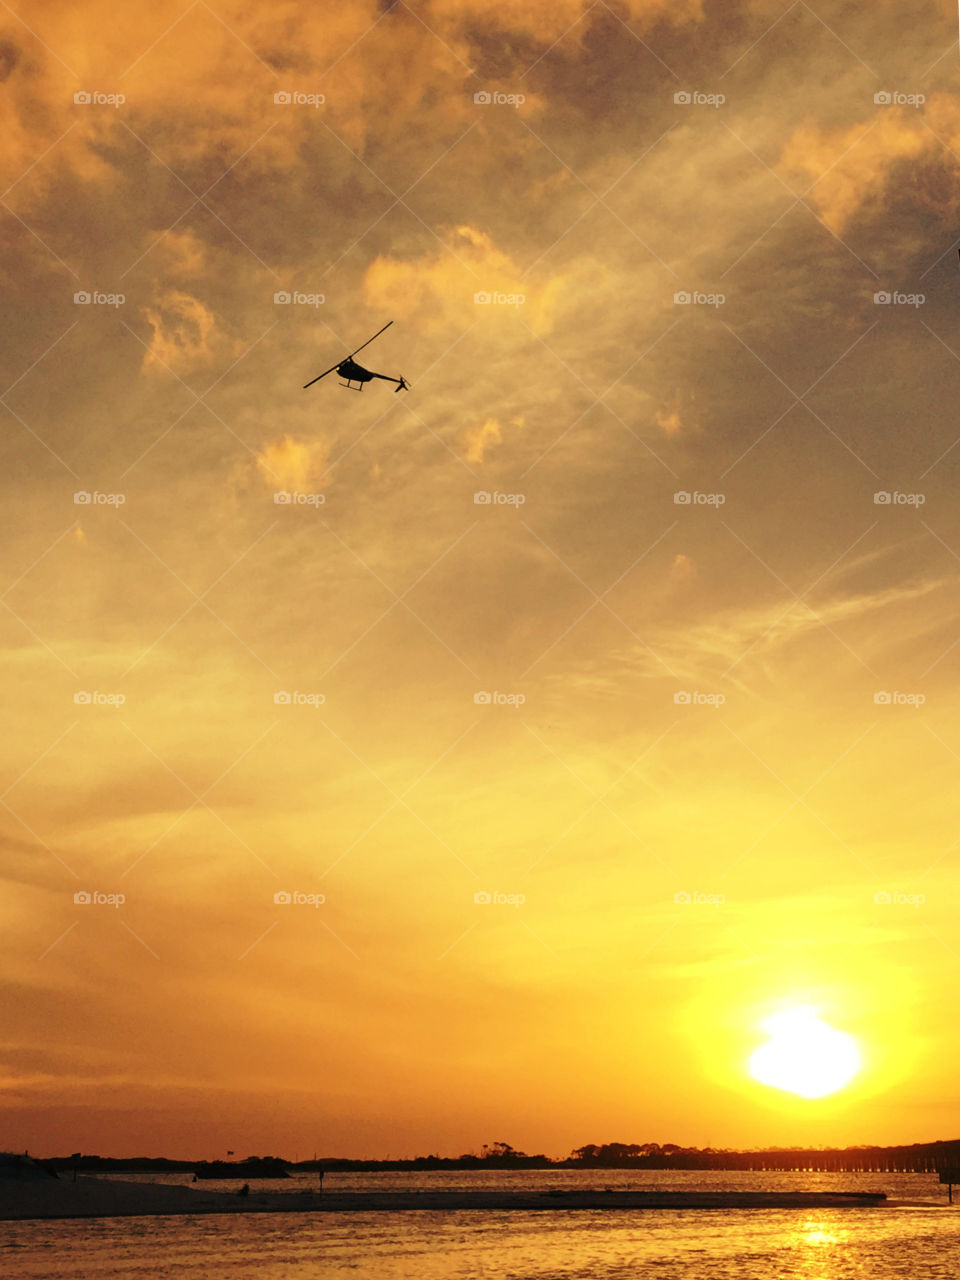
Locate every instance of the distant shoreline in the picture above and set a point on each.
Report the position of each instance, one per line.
(91, 1197)
(917, 1157)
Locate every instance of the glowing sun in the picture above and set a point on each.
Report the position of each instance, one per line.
(805, 1055)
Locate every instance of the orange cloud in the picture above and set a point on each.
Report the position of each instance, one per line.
(184, 253)
(668, 421)
(439, 286)
(288, 463)
(683, 569)
(470, 280)
(184, 332)
(478, 439)
(849, 165)
(678, 414)
(548, 20)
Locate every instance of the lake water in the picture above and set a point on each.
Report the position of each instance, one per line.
(919, 1243)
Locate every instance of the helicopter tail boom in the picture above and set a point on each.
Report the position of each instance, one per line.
(348, 362)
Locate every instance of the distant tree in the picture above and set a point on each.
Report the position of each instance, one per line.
(621, 1150)
(501, 1151)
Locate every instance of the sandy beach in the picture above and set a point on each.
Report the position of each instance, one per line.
(91, 1197)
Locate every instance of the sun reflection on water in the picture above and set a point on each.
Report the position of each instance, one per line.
(819, 1237)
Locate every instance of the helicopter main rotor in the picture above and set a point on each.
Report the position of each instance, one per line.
(346, 360)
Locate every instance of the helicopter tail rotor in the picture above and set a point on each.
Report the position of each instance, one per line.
(404, 385)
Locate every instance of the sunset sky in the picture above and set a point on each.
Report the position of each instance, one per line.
(713, 601)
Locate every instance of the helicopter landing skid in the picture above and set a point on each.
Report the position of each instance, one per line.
(347, 386)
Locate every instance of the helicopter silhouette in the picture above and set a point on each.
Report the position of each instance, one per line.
(353, 372)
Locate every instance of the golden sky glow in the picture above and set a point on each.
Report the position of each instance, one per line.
(565, 794)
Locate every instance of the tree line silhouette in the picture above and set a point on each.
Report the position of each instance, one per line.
(923, 1157)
